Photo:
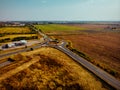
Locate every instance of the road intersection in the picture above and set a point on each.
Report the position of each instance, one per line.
(62, 47)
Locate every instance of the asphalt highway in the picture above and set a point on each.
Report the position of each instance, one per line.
(23, 50)
(97, 71)
(5, 63)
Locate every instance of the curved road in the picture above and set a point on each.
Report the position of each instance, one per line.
(97, 71)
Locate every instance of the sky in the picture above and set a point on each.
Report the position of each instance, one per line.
(63, 10)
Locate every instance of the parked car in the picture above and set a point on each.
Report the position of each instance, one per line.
(21, 42)
(13, 44)
(4, 46)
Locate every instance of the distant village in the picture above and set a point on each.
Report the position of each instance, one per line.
(111, 25)
(2, 24)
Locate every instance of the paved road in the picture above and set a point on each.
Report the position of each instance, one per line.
(5, 63)
(45, 43)
(29, 43)
(97, 71)
(23, 50)
(16, 52)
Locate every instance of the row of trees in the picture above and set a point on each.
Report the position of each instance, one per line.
(32, 31)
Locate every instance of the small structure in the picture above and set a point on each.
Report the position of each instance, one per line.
(10, 45)
(18, 43)
(23, 42)
(5, 46)
(14, 24)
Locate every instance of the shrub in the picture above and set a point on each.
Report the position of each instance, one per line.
(7, 39)
(26, 38)
(18, 38)
(31, 49)
(113, 72)
(69, 45)
(4, 40)
(1, 35)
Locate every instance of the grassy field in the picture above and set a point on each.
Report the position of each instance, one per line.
(98, 42)
(52, 71)
(57, 27)
(14, 30)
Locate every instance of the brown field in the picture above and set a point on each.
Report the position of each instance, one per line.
(102, 48)
(50, 69)
(47, 69)
(100, 42)
(91, 26)
(96, 26)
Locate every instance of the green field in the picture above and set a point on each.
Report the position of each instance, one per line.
(57, 27)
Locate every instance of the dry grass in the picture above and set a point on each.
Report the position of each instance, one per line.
(8, 34)
(54, 71)
(90, 26)
(19, 68)
(14, 30)
(18, 59)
